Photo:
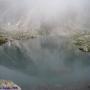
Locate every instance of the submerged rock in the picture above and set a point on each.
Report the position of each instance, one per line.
(8, 85)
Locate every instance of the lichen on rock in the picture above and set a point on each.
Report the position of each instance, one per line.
(82, 41)
(8, 85)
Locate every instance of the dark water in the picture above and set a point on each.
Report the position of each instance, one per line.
(46, 63)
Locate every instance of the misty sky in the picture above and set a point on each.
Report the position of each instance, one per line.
(35, 12)
(42, 9)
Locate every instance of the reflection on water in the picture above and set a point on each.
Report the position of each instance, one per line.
(44, 61)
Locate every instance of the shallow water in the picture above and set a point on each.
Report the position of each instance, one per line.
(46, 62)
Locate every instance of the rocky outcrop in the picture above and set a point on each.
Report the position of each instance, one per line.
(82, 42)
(8, 85)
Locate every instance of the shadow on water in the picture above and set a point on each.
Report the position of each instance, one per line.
(14, 57)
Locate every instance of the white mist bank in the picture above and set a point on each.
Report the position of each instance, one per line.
(56, 17)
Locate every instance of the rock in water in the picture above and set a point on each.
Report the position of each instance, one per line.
(8, 85)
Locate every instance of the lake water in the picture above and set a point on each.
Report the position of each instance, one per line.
(45, 62)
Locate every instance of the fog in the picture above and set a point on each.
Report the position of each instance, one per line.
(60, 16)
(49, 60)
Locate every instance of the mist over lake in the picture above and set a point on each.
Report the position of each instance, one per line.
(49, 61)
